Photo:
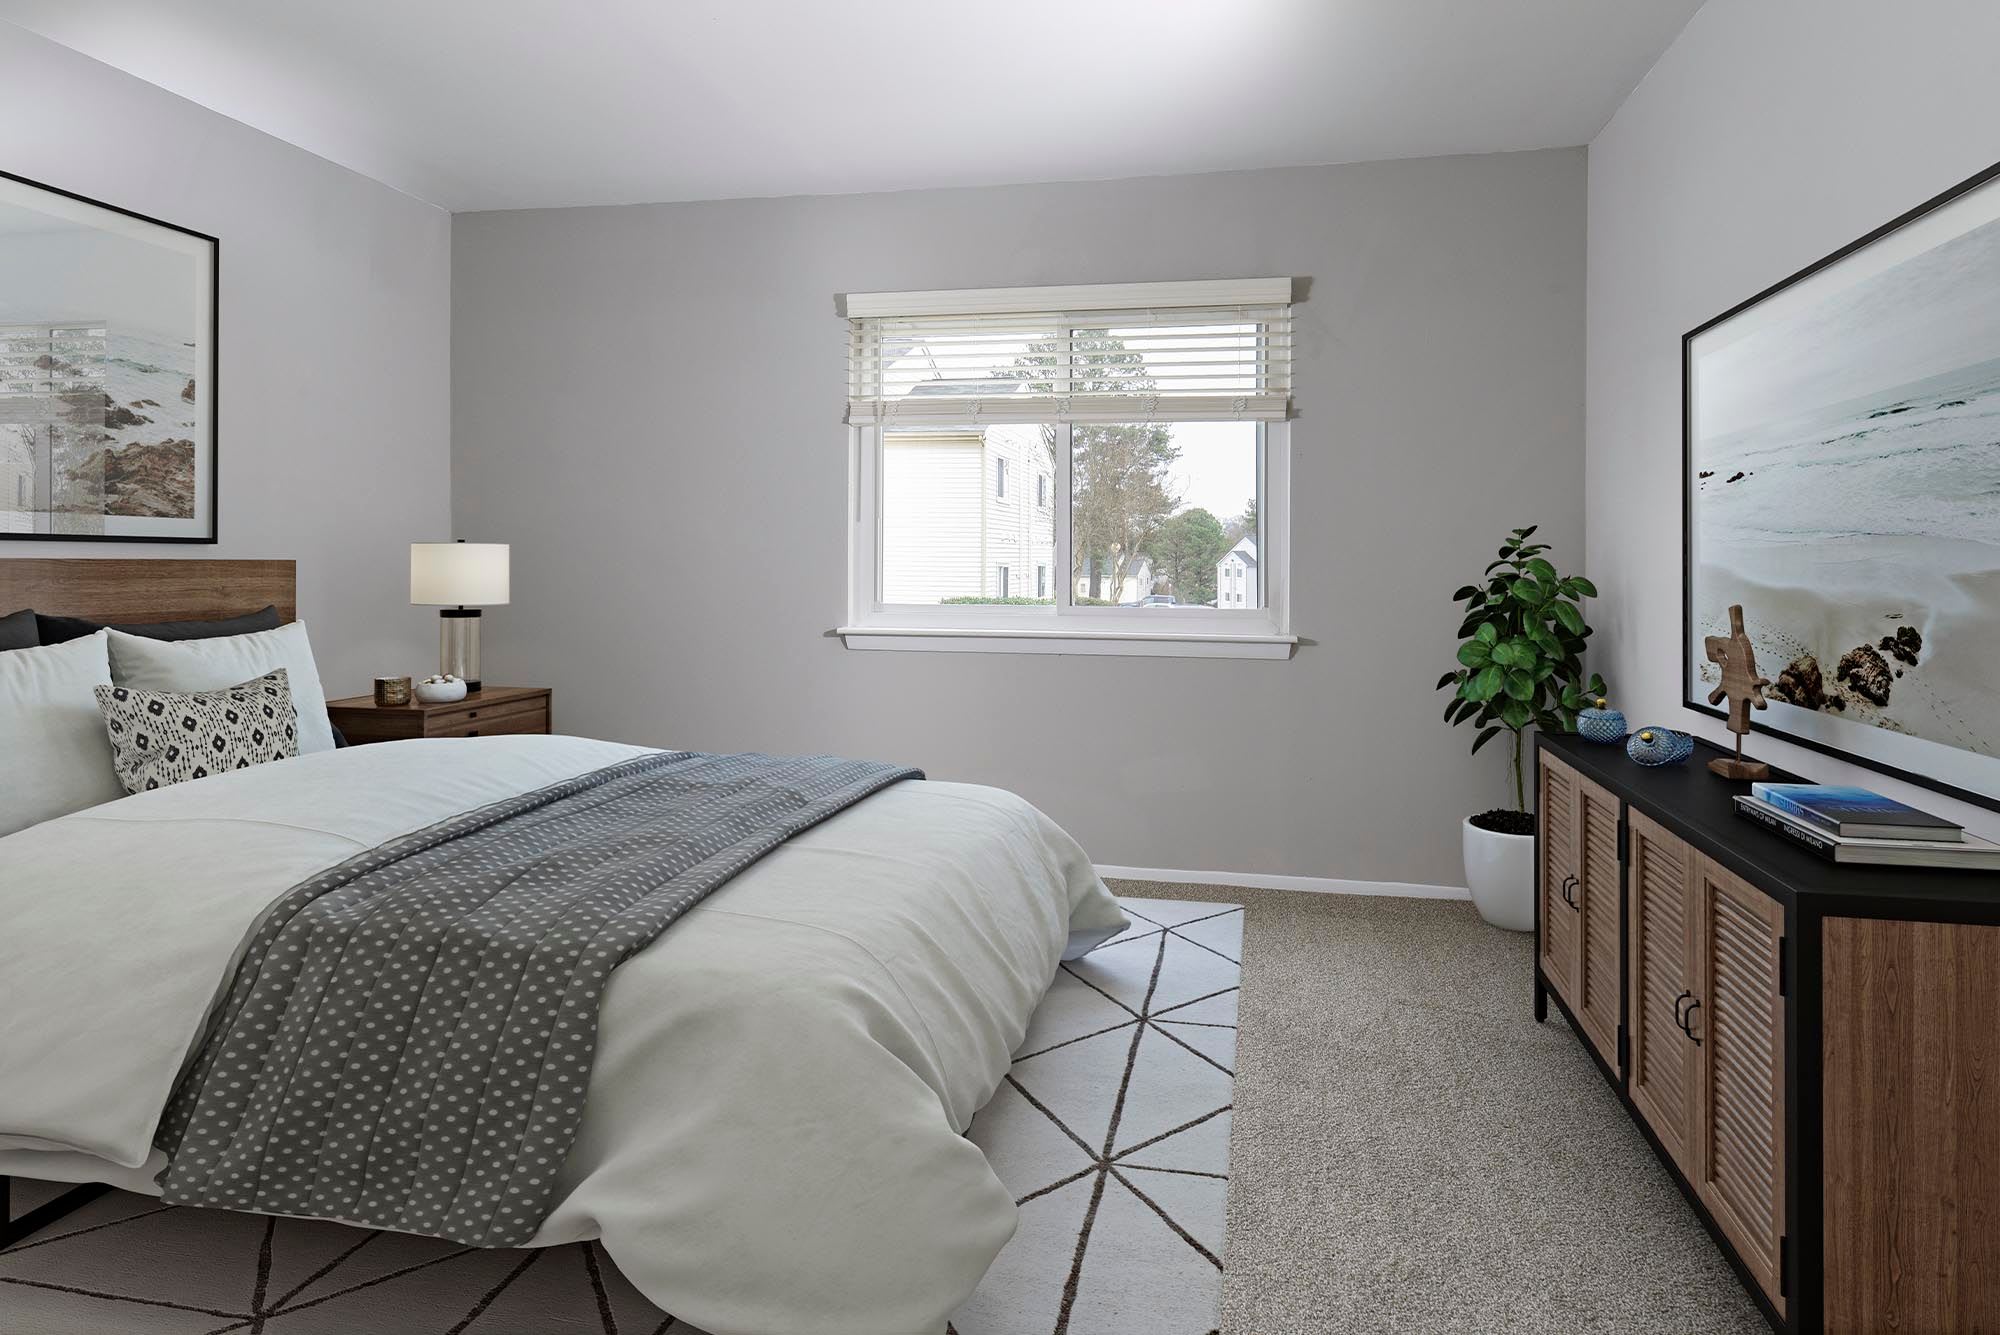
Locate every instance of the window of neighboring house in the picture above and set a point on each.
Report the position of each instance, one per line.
(1154, 418)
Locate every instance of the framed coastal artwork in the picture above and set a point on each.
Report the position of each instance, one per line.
(1842, 482)
(107, 372)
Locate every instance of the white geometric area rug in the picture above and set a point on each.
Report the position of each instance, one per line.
(1112, 1130)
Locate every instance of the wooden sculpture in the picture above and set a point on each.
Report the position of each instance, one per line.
(1745, 689)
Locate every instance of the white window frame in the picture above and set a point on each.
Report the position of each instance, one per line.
(1064, 628)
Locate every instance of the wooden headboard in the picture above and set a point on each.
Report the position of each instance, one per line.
(125, 590)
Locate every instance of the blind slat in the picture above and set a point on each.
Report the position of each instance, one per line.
(1014, 365)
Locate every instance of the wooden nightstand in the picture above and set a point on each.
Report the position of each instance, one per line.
(486, 713)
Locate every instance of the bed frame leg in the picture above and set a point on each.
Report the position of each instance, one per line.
(14, 1230)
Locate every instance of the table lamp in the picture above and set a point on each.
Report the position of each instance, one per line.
(458, 578)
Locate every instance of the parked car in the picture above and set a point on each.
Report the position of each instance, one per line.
(1154, 600)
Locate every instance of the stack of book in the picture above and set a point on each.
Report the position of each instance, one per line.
(1854, 825)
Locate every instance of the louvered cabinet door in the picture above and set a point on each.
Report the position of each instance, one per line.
(1555, 806)
(1602, 899)
(1738, 1017)
(1661, 1070)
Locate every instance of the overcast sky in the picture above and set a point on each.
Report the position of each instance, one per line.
(1936, 311)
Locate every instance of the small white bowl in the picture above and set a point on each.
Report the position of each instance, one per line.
(439, 692)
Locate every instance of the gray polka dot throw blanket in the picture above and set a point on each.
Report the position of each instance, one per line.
(407, 1039)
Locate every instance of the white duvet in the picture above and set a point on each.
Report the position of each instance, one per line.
(772, 1139)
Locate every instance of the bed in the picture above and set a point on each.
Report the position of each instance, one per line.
(771, 1137)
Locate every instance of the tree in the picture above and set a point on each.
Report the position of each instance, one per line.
(1245, 524)
(1118, 498)
(1185, 552)
(1118, 471)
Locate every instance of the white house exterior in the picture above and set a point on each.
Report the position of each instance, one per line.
(967, 512)
(1136, 583)
(1236, 576)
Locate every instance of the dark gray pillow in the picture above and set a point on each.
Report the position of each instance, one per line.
(55, 630)
(18, 630)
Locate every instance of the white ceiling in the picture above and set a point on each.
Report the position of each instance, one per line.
(493, 104)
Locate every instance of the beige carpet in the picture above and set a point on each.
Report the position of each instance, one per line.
(1412, 1152)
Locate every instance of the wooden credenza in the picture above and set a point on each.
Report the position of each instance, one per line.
(1813, 1050)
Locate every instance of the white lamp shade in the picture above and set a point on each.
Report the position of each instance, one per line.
(458, 574)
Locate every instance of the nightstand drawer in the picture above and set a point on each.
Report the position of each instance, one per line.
(491, 723)
(450, 720)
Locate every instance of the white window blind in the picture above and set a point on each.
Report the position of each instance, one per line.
(1114, 353)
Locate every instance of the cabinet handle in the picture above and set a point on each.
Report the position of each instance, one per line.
(1568, 891)
(1679, 1001)
(1687, 1021)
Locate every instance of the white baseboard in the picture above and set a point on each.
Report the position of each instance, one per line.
(1318, 885)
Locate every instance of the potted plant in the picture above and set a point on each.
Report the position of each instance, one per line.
(1521, 665)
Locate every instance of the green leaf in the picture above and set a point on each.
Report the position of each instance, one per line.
(1543, 570)
(1486, 683)
(1516, 715)
(1529, 591)
(1571, 619)
(1483, 738)
(1520, 685)
(1467, 709)
(1446, 680)
(1583, 586)
(1571, 697)
(1596, 686)
(1470, 624)
(1526, 532)
(1488, 634)
(1473, 654)
(1465, 591)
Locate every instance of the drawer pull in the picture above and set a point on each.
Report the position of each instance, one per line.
(1568, 892)
(1680, 1001)
(1687, 1021)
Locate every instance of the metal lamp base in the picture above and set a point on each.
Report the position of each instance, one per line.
(458, 644)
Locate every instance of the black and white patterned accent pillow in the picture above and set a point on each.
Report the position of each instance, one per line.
(166, 737)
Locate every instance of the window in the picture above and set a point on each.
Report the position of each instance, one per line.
(1153, 418)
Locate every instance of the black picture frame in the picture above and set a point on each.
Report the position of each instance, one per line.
(214, 370)
(1690, 698)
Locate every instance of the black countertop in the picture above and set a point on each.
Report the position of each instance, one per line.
(1698, 806)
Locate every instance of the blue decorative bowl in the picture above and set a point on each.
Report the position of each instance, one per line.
(1659, 746)
(1601, 724)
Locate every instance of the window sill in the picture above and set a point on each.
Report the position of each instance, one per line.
(1130, 644)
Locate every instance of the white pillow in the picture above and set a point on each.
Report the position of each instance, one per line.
(54, 755)
(210, 665)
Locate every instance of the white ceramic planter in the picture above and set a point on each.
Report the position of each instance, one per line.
(1500, 871)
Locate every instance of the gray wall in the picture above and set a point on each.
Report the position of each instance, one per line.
(647, 404)
(1773, 132)
(334, 405)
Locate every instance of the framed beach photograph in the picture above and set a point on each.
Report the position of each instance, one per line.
(1842, 482)
(107, 372)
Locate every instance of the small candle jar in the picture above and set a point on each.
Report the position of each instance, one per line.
(392, 690)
